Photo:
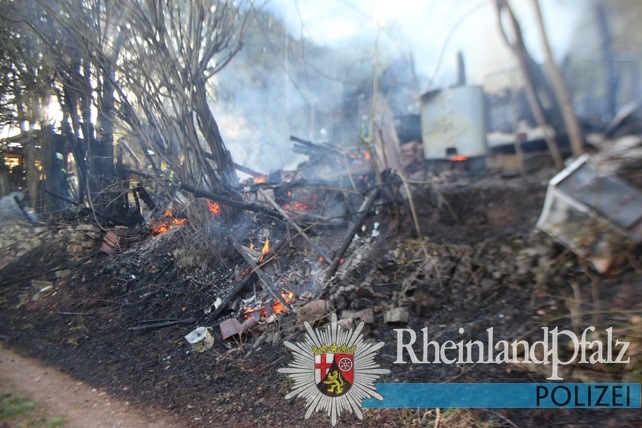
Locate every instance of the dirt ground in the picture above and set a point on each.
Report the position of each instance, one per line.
(478, 263)
(81, 405)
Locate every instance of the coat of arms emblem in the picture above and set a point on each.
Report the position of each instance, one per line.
(334, 369)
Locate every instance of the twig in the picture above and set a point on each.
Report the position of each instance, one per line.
(160, 324)
(24, 212)
(264, 280)
(74, 203)
(292, 223)
(415, 217)
(76, 314)
(505, 419)
(199, 193)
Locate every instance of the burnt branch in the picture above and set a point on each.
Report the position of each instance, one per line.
(217, 197)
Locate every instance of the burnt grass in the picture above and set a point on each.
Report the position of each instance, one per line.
(89, 324)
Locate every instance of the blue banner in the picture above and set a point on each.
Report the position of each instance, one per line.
(506, 395)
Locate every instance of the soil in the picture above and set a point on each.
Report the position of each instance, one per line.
(478, 263)
(81, 405)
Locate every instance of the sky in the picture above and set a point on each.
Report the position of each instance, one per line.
(432, 31)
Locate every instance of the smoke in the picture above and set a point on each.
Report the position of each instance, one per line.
(303, 59)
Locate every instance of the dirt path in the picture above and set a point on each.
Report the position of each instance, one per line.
(81, 405)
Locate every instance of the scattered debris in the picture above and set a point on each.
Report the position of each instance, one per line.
(313, 312)
(230, 327)
(396, 315)
(200, 338)
(365, 315)
(595, 213)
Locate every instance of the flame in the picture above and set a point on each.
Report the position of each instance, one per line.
(214, 207)
(166, 223)
(260, 179)
(458, 158)
(288, 298)
(277, 308)
(251, 245)
(367, 155)
(264, 250)
(296, 206)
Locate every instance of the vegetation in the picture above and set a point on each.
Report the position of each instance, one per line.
(134, 69)
(17, 411)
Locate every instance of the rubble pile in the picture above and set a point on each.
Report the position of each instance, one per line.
(419, 277)
(17, 238)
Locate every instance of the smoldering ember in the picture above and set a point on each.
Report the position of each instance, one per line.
(186, 185)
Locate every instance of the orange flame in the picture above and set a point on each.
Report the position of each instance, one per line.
(296, 206)
(458, 158)
(277, 307)
(367, 155)
(261, 179)
(265, 250)
(288, 298)
(214, 207)
(166, 223)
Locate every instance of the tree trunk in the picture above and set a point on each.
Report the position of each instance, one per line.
(561, 93)
(209, 128)
(519, 49)
(607, 52)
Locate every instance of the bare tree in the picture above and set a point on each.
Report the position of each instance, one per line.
(172, 50)
(143, 66)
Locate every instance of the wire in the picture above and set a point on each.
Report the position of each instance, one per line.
(451, 33)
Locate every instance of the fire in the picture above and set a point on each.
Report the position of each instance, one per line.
(288, 298)
(296, 206)
(265, 250)
(458, 158)
(367, 155)
(277, 308)
(166, 223)
(214, 207)
(260, 179)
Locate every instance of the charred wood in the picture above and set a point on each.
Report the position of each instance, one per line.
(230, 296)
(262, 276)
(147, 325)
(309, 148)
(292, 223)
(364, 210)
(23, 210)
(217, 197)
(98, 214)
(247, 170)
